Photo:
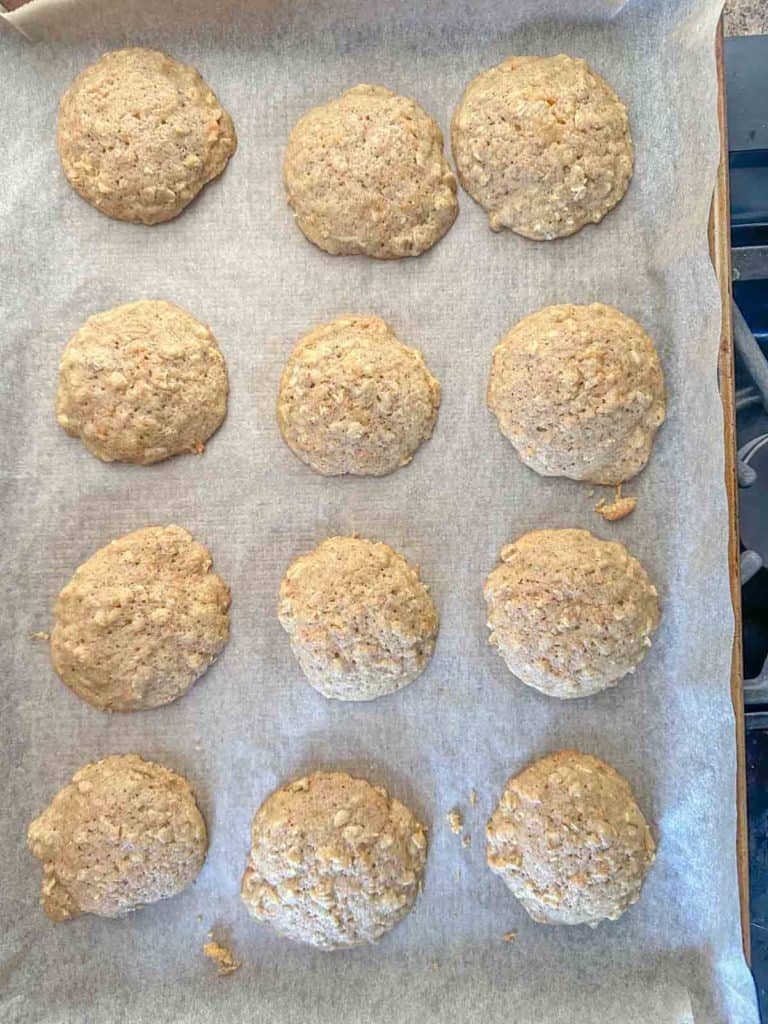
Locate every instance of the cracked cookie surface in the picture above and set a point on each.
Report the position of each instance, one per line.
(360, 620)
(579, 392)
(334, 861)
(140, 134)
(125, 832)
(354, 399)
(142, 382)
(543, 145)
(569, 613)
(569, 840)
(365, 174)
(140, 620)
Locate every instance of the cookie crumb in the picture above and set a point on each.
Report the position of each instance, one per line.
(454, 820)
(509, 936)
(40, 636)
(434, 965)
(466, 840)
(619, 508)
(222, 957)
(472, 797)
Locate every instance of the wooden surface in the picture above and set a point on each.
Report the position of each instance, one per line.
(720, 246)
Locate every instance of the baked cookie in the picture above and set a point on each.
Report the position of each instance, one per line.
(360, 621)
(142, 382)
(140, 134)
(140, 621)
(365, 174)
(123, 833)
(334, 861)
(543, 145)
(354, 399)
(570, 614)
(570, 841)
(579, 392)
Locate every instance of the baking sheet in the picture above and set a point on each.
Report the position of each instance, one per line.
(236, 260)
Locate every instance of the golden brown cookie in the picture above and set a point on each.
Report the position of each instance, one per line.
(360, 621)
(543, 145)
(140, 620)
(579, 392)
(123, 833)
(354, 399)
(570, 841)
(334, 861)
(140, 134)
(142, 382)
(365, 174)
(569, 613)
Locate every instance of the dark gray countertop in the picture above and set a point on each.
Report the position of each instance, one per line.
(746, 17)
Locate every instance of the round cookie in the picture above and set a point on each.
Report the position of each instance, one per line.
(543, 145)
(142, 382)
(570, 841)
(365, 174)
(334, 861)
(354, 399)
(140, 620)
(123, 833)
(570, 614)
(360, 621)
(579, 392)
(140, 134)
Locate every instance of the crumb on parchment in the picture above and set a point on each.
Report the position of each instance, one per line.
(454, 820)
(466, 840)
(472, 797)
(509, 936)
(40, 635)
(222, 957)
(619, 508)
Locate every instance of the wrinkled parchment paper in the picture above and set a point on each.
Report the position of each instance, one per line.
(236, 260)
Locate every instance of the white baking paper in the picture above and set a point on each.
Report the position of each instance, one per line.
(235, 259)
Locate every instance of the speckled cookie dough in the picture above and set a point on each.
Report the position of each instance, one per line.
(579, 392)
(365, 174)
(140, 134)
(123, 833)
(360, 620)
(334, 861)
(142, 382)
(140, 620)
(354, 399)
(570, 841)
(570, 614)
(543, 145)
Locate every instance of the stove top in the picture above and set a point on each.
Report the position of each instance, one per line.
(746, 60)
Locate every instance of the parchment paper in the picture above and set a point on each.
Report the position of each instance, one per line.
(236, 260)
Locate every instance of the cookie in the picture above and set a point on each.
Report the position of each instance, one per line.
(140, 620)
(123, 833)
(570, 614)
(140, 134)
(570, 841)
(360, 621)
(142, 382)
(543, 145)
(579, 392)
(365, 174)
(334, 861)
(354, 399)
